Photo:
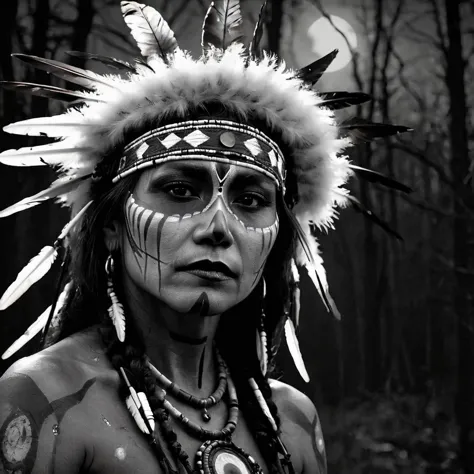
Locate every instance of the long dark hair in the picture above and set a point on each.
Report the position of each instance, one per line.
(87, 305)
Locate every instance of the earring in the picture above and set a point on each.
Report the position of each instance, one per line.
(116, 311)
(262, 336)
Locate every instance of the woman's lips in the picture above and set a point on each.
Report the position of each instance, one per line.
(209, 275)
(215, 271)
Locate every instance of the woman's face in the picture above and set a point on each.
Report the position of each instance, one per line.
(198, 233)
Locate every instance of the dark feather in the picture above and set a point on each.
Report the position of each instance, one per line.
(255, 51)
(50, 92)
(363, 130)
(151, 32)
(357, 205)
(340, 100)
(313, 72)
(376, 177)
(108, 61)
(82, 77)
(222, 25)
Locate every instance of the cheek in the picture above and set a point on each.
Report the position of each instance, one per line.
(254, 251)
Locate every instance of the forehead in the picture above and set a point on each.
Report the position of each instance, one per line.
(208, 169)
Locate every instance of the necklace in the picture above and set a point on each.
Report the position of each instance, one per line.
(218, 454)
(180, 394)
(198, 431)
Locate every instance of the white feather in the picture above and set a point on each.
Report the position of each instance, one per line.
(147, 409)
(58, 188)
(133, 409)
(29, 334)
(296, 302)
(43, 155)
(64, 125)
(261, 353)
(315, 268)
(294, 349)
(36, 268)
(151, 32)
(117, 315)
(38, 325)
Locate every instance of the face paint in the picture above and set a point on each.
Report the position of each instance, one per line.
(199, 233)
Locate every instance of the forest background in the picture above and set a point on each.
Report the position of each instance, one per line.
(394, 380)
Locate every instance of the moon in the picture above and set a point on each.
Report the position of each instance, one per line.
(325, 37)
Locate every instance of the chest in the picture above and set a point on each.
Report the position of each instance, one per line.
(115, 444)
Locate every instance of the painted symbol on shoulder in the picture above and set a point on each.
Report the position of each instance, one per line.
(19, 443)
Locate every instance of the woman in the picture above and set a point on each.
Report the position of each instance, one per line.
(195, 187)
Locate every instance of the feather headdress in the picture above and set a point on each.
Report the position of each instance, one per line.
(165, 87)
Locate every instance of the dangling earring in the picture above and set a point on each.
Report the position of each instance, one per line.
(116, 312)
(262, 336)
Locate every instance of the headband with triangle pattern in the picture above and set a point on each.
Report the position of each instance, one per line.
(167, 82)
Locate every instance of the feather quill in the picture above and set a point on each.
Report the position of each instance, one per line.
(106, 60)
(361, 130)
(294, 348)
(376, 177)
(58, 188)
(63, 125)
(313, 72)
(36, 268)
(222, 25)
(117, 315)
(82, 77)
(38, 325)
(341, 100)
(151, 32)
(43, 155)
(255, 51)
(50, 92)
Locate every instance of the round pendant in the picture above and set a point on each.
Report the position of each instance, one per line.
(224, 457)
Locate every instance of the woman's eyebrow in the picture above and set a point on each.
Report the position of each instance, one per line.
(246, 178)
(177, 170)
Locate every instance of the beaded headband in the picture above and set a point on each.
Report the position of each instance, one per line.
(167, 86)
(206, 140)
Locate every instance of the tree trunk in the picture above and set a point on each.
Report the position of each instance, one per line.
(463, 254)
(275, 26)
(82, 28)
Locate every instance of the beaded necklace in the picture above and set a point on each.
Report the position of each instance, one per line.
(218, 454)
(180, 394)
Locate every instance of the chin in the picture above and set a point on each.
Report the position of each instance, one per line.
(203, 300)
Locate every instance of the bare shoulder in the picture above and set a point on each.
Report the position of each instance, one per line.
(300, 427)
(37, 397)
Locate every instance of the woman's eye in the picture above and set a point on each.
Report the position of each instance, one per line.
(180, 191)
(251, 200)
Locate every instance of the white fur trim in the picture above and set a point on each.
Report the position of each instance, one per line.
(266, 90)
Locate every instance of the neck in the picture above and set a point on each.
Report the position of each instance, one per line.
(179, 345)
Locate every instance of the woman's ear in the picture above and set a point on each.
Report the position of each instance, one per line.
(113, 236)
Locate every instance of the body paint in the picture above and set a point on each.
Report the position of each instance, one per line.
(201, 367)
(160, 239)
(20, 431)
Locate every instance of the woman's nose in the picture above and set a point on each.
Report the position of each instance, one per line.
(215, 232)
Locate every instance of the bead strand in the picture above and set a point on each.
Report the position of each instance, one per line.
(186, 397)
(172, 439)
(197, 430)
